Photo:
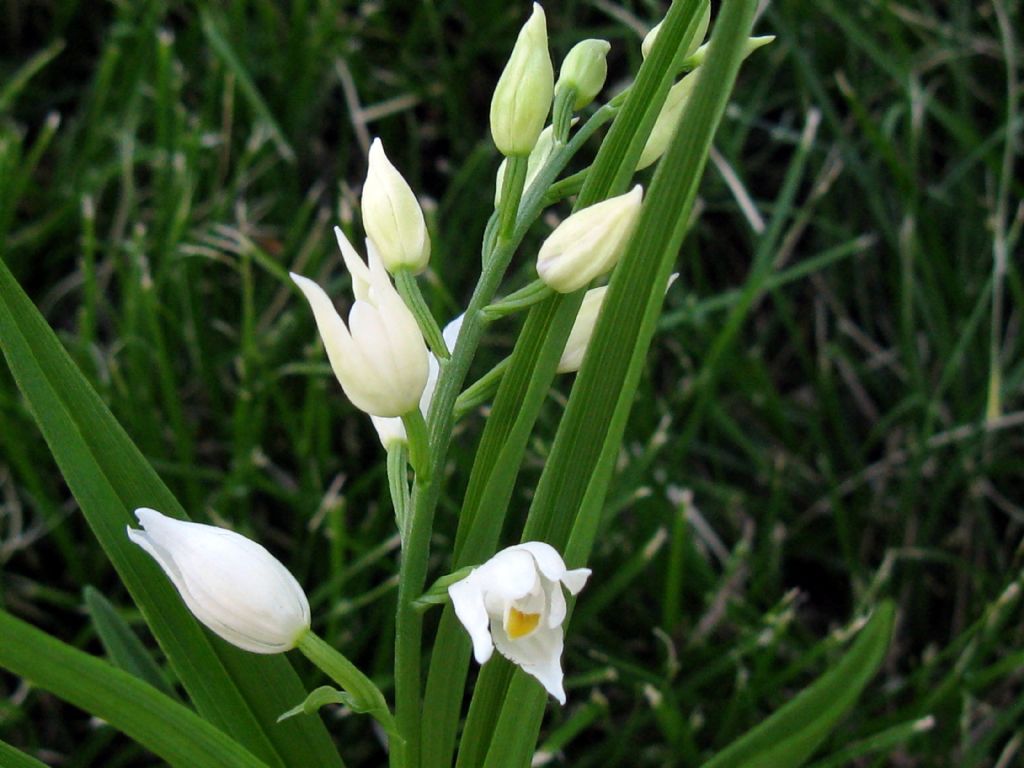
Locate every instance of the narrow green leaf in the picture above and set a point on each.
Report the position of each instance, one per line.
(239, 692)
(790, 736)
(123, 647)
(130, 705)
(12, 758)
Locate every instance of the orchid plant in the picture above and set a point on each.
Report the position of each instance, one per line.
(602, 274)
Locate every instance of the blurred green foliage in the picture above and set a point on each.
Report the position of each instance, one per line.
(855, 434)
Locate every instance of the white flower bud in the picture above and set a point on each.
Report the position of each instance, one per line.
(392, 216)
(380, 359)
(584, 68)
(589, 242)
(583, 329)
(522, 98)
(514, 602)
(697, 58)
(689, 45)
(230, 583)
(667, 121)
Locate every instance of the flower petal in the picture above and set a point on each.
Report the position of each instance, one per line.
(468, 602)
(539, 654)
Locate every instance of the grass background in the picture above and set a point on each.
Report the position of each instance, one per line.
(849, 429)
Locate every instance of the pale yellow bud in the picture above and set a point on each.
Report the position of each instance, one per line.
(584, 68)
(589, 243)
(668, 120)
(689, 45)
(522, 98)
(582, 330)
(392, 216)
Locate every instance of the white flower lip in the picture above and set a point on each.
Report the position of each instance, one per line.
(514, 602)
(589, 243)
(230, 583)
(380, 358)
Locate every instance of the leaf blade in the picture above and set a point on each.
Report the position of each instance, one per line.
(126, 702)
(239, 692)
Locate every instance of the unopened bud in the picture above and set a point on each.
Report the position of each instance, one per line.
(538, 156)
(689, 45)
(230, 583)
(696, 58)
(392, 216)
(522, 98)
(584, 69)
(667, 121)
(589, 243)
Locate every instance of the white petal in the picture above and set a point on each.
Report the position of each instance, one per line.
(452, 330)
(539, 654)
(576, 579)
(389, 430)
(468, 602)
(509, 575)
(356, 267)
(547, 558)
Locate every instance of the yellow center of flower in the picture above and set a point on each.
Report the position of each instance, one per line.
(521, 624)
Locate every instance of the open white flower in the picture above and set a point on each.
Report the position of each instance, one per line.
(514, 602)
(230, 583)
(380, 358)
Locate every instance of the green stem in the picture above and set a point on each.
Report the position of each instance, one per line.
(410, 292)
(517, 301)
(511, 194)
(504, 232)
(409, 621)
(398, 485)
(366, 696)
(419, 447)
(567, 187)
(481, 390)
(561, 113)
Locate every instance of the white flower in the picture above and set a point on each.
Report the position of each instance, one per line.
(380, 359)
(522, 97)
(392, 216)
(230, 583)
(514, 602)
(391, 430)
(589, 242)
